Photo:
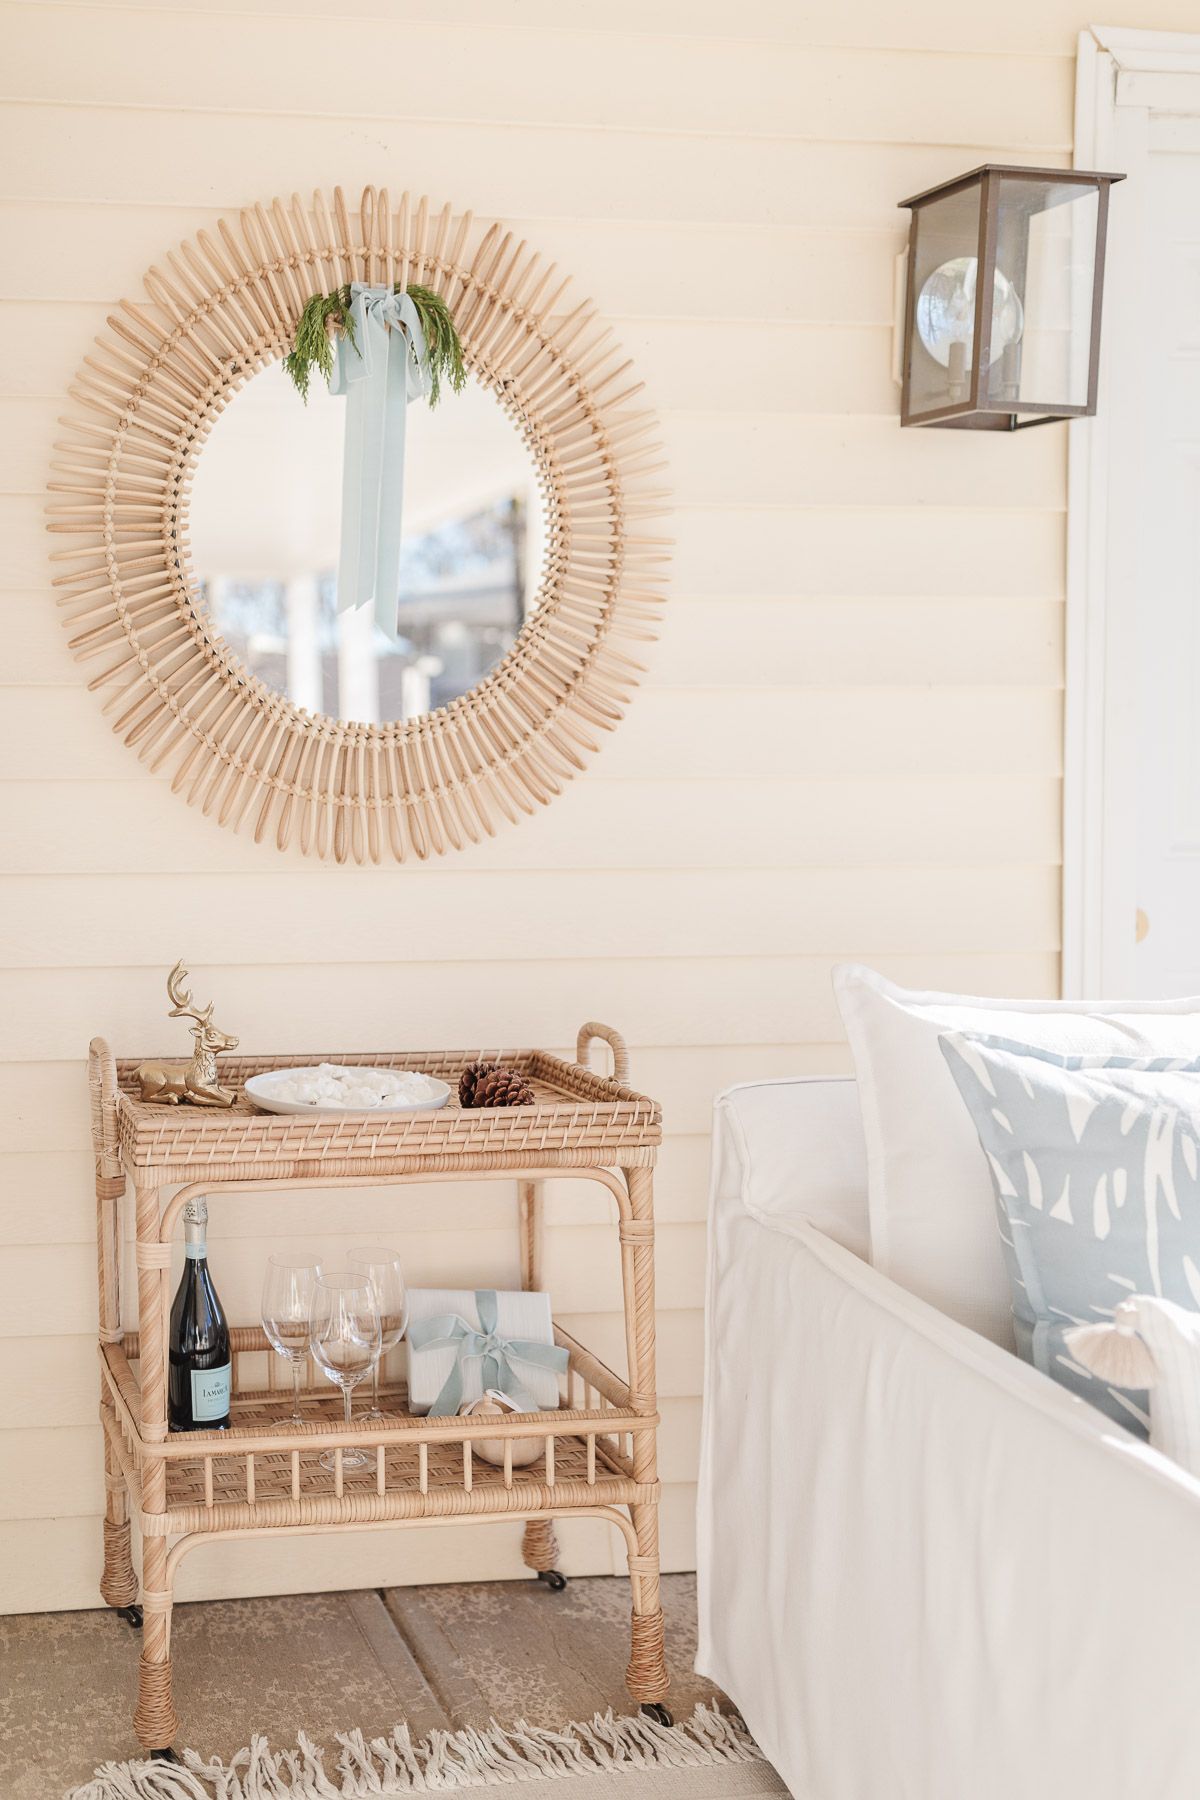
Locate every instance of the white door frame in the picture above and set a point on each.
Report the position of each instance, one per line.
(1130, 73)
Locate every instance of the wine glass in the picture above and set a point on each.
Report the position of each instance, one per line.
(345, 1341)
(288, 1288)
(391, 1296)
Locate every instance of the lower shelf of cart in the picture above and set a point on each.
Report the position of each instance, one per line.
(227, 1487)
(268, 1471)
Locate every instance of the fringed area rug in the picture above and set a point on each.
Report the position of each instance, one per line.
(648, 1759)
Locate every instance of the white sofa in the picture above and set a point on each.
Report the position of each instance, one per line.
(926, 1571)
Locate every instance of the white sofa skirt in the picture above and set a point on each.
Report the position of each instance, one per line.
(926, 1571)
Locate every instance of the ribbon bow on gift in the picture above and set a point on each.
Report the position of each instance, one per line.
(385, 367)
(487, 1346)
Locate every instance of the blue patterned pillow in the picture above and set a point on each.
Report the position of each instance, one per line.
(1095, 1164)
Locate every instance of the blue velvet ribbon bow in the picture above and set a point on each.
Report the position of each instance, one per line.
(385, 368)
(486, 1346)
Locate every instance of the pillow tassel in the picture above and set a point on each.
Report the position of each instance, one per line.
(1114, 1352)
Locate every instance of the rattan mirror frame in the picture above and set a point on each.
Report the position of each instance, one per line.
(226, 305)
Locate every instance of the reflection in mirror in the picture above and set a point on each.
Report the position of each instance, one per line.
(264, 525)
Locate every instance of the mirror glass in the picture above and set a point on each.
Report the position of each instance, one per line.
(264, 525)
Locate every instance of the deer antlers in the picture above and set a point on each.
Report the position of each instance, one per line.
(184, 1007)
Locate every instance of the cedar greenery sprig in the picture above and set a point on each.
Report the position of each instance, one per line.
(313, 347)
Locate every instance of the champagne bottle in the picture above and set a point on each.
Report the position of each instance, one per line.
(201, 1365)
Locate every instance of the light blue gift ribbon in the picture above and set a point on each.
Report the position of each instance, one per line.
(385, 368)
(486, 1346)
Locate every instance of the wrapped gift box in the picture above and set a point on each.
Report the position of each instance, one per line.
(520, 1317)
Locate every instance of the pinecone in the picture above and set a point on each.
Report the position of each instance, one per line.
(491, 1084)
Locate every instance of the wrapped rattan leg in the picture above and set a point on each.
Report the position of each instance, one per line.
(539, 1550)
(646, 1677)
(118, 1583)
(155, 1721)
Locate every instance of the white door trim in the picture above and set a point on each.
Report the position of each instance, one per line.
(1137, 72)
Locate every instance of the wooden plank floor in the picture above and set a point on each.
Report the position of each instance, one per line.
(435, 1657)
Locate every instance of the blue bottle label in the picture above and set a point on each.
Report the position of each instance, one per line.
(210, 1393)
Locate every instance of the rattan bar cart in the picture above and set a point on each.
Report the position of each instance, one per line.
(263, 1475)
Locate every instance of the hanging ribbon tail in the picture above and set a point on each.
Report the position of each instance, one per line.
(494, 1352)
(385, 367)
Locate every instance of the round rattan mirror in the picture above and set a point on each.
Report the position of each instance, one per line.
(223, 309)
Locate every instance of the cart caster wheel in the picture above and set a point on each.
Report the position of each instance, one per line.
(553, 1580)
(132, 1615)
(657, 1713)
(168, 1755)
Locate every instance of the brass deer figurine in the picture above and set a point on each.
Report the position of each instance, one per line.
(169, 1084)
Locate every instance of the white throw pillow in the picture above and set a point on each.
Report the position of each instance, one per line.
(932, 1214)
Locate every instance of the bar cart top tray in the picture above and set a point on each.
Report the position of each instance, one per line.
(578, 1118)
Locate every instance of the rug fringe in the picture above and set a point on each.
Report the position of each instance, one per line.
(444, 1762)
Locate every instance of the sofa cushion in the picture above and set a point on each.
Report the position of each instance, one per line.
(932, 1217)
(794, 1149)
(1095, 1166)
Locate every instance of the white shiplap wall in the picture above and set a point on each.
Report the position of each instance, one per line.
(849, 744)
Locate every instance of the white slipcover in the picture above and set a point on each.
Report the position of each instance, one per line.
(926, 1571)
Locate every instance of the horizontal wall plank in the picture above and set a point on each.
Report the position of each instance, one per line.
(51, 1379)
(598, 78)
(582, 1267)
(139, 826)
(54, 1474)
(837, 458)
(849, 642)
(781, 367)
(61, 734)
(102, 155)
(759, 18)
(768, 552)
(811, 643)
(935, 25)
(296, 916)
(904, 553)
(49, 1290)
(741, 458)
(51, 1014)
(627, 266)
(48, 1197)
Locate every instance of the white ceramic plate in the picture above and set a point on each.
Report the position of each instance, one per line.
(261, 1089)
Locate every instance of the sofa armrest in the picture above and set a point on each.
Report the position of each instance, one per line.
(793, 1149)
(927, 1571)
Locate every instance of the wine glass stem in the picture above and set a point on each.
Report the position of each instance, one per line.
(375, 1385)
(346, 1398)
(296, 1414)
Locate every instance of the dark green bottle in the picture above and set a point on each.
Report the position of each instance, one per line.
(201, 1365)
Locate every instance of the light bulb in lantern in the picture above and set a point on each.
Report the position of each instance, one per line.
(946, 314)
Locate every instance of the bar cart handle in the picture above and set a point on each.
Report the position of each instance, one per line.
(102, 1086)
(611, 1036)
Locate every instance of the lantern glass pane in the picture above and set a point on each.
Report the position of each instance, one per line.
(1046, 247)
(941, 349)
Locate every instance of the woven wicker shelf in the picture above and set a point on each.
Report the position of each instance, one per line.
(596, 1454)
(267, 1469)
